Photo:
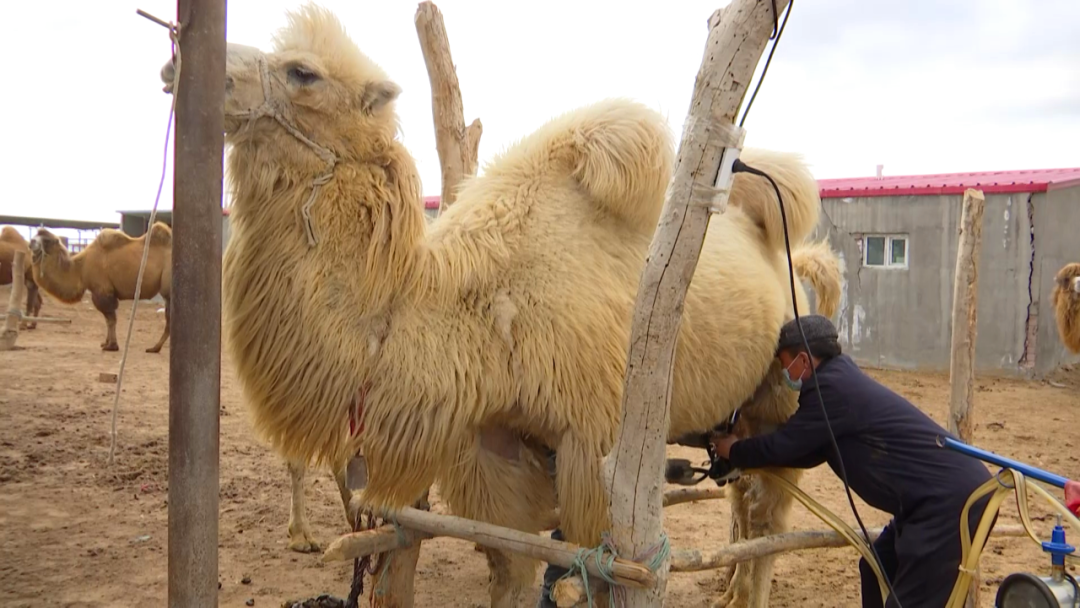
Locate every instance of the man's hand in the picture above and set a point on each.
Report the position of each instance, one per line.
(722, 444)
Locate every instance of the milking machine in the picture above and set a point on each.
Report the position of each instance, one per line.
(1054, 589)
(1058, 588)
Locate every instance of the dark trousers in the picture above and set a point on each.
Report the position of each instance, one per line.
(921, 557)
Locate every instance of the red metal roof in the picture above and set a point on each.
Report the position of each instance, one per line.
(990, 182)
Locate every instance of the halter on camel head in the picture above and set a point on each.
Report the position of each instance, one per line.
(237, 55)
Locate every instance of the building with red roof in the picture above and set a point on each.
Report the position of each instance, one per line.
(899, 237)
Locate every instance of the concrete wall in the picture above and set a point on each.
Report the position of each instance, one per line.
(1056, 218)
(901, 317)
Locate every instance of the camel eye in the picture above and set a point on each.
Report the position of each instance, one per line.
(302, 76)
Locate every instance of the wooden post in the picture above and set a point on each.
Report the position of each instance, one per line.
(195, 354)
(14, 312)
(457, 145)
(964, 332)
(634, 470)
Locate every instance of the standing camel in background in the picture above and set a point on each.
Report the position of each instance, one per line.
(10, 242)
(108, 268)
(1066, 297)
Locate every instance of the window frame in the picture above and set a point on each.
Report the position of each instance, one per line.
(889, 238)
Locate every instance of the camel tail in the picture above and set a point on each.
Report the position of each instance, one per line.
(620, 152)
(757, 198)
(815, 262)
(160, 235)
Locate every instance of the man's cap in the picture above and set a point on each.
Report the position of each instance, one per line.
(816, 327)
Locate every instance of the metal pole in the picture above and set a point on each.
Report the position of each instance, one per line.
(195, 354)
(1008, 463)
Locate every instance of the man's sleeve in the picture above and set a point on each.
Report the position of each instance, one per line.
(802, 442)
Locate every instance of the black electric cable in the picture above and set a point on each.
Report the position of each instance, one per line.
(740, 167)
(775, 37)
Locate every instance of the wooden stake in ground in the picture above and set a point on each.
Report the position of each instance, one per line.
(634, 470)
(14, 312)
(965, 330)
(457, 145)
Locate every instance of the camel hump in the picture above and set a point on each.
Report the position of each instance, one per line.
(110, 239)
(9, 234)
(817, 263)
(755, 196)
(160, 235)
(620, 151)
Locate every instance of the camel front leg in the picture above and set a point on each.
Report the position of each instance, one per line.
(107, 304)
(760, 507)
(164, 336)
(300, 538)
(33, 304)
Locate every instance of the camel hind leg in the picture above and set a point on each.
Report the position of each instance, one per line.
(501, 481)
(300, 537)
(165, 335)
(346, 496)
(107, 304)
(760, 507)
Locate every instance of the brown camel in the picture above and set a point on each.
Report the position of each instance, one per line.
(10, 242)
(1067, 305)
(108, 268)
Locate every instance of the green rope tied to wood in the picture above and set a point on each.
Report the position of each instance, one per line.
(604, 557)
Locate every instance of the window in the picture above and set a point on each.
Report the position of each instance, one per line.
(885, 251)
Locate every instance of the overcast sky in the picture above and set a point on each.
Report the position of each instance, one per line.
(920, 86)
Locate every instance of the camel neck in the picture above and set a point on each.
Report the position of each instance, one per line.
(61, 276)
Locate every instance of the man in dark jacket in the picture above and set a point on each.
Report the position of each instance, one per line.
(892, 460)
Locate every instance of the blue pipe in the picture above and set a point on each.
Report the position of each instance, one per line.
(1027, 470)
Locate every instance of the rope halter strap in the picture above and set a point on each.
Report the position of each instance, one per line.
(273, 110)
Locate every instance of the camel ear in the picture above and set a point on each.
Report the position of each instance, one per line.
(378, 94)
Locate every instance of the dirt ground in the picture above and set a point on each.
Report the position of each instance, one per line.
(74, 532)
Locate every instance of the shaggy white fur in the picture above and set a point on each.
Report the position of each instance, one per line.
(506, 322)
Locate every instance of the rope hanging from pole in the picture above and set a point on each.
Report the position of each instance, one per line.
(174, 37)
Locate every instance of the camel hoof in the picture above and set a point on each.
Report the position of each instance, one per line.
(110, 347)
(153, 350)
(304, 544)
(729, 600)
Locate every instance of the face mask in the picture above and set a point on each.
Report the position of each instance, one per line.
(795, 385)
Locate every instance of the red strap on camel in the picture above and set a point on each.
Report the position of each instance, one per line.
(1072, 496)
(356, 415)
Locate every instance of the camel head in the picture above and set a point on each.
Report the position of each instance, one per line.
(1066, 297)
(45, 243)
(1068, 279)
(315, 85)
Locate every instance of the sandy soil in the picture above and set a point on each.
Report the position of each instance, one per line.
(76, 533)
